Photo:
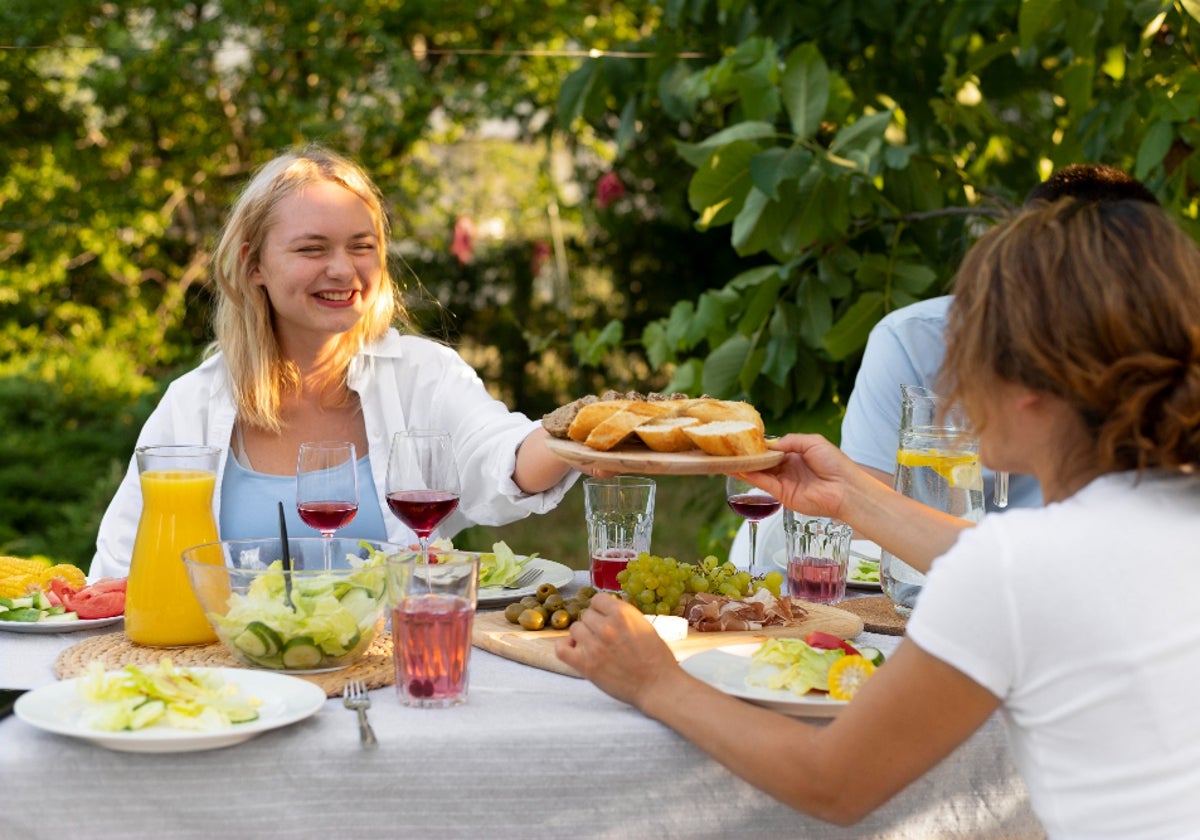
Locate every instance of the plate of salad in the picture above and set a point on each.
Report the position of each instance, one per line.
(502, 566)
(164, 708)
(785, 675)
(863, 569)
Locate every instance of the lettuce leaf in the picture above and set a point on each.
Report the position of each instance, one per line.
(791, 664)
(501, 567)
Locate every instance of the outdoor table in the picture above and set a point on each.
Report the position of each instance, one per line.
(531, 754)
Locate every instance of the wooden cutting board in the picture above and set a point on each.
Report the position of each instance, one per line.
(635, 458)
(493, 633)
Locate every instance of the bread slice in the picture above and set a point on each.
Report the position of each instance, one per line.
(591, 416)
(614, 429)
(708, 410)
(728, 437)
(665, 434)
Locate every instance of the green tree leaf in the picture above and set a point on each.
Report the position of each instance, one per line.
(720, 185)
(723, 367)
(849, 333)
(805, 89)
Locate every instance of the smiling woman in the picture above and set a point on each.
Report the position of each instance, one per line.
(307, 349)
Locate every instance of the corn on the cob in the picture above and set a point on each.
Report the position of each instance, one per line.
(73, 576)
(18, 586)
(10, 566)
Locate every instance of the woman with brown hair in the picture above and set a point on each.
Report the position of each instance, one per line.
(307, 348)
(1075, 348)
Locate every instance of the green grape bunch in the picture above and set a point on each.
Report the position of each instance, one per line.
(656, 585)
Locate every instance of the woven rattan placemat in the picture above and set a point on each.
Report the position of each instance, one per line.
(114, 650)
(877, 613)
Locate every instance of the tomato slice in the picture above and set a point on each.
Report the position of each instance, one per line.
(828, 641)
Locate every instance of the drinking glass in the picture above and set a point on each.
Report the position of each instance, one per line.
(327, 487)
(433, 608)
(753, 505)
(422, 481)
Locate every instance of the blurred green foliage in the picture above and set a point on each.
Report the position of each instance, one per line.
(791, 171)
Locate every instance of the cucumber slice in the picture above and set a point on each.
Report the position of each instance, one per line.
(26, 614)
(63, 617)
(301, 652)
(875, 655)
(259, 641)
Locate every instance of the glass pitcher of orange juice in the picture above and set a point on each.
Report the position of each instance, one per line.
(177, 482)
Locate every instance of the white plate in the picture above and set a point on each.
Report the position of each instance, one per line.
(726, 668)
(555, 573)
(861, 550)
(58, 626)
(58, 708)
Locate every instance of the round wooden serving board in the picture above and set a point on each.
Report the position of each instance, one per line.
(635, 458)
(492, 632)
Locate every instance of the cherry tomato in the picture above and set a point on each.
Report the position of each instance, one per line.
(828, 641)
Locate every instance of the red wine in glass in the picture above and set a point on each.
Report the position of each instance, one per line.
(422, 481)
(422, 510)
(327, 487)
(752, 504)
(327, 517)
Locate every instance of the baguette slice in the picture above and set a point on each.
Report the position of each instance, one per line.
(593, 415)
(728, 437)
(665, 434)
(708, 410)
(614, 430)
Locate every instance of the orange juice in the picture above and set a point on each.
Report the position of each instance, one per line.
(160, 607)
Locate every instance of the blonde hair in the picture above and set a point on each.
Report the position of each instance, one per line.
(1097, 303)
(242, 321)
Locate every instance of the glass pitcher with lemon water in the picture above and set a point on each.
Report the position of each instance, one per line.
(177, 483)
(937, 463)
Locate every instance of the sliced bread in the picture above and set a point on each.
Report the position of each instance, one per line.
(728, 437)
(665, 434)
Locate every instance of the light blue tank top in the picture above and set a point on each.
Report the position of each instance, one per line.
(250, 500)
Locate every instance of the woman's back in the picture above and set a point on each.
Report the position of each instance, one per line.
(1087, 623)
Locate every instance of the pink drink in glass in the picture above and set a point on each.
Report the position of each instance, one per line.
(605, 566)
(432, 647)
(820, 581)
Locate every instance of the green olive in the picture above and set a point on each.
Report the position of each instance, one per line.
(513, 612)
(574, 609)
(532, 620)
(587, 592)
(529, 601)
(554, 602)
(545, 591)
(560, 619)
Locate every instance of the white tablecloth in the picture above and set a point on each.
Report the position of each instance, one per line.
(532, 754)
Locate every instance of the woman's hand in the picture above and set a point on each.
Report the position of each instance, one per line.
(814, 477)
(614, 646)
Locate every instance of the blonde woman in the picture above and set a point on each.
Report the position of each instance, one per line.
(1074, 345)
(307, 349)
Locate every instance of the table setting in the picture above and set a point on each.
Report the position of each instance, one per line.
(384, 691)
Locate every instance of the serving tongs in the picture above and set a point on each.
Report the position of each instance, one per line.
(287, 560)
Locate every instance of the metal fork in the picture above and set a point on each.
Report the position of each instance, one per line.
(354, 697)
(526, 578)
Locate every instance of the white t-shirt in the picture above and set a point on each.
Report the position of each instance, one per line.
(403, 382)
(1084, 618)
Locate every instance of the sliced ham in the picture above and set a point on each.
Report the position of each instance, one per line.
(710, 613)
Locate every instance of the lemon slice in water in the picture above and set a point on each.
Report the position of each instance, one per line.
(958, 468)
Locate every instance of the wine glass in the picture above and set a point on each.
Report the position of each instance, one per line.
(422, 481)
(753, 505)
(327, 487)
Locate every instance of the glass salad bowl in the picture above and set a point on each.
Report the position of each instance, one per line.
(306, 620)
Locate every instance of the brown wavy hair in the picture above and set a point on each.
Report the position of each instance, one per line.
(243, 320)
(1097, 303)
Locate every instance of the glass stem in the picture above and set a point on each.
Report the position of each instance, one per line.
(753, 546)
(328, 543)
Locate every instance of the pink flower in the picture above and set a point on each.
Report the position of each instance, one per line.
(463, 244)
(541, 253)
(609, 189)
